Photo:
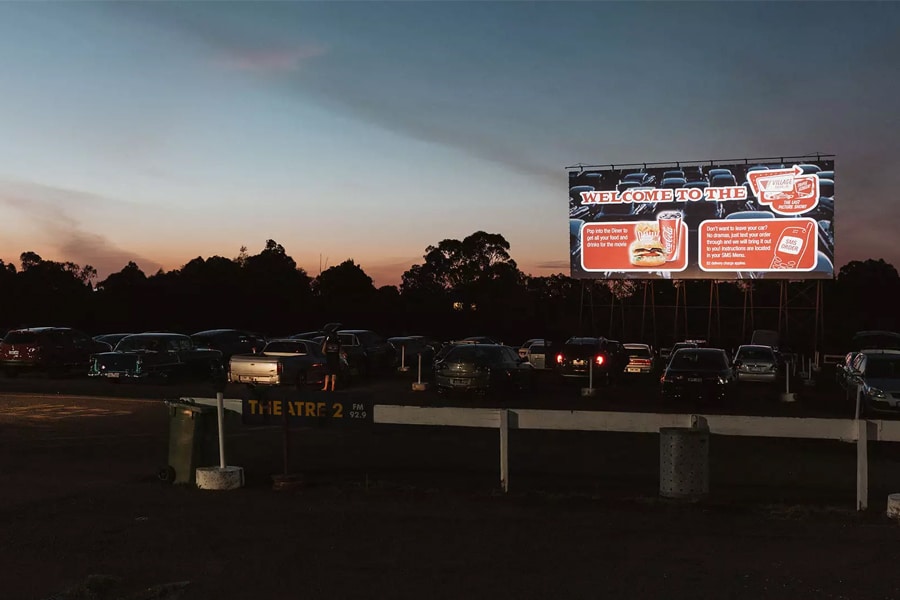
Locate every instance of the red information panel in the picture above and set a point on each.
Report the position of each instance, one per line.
(636, 246)
(758, 245)
(753, 218)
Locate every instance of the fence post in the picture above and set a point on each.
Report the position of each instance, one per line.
(862, 464)
(504, 450)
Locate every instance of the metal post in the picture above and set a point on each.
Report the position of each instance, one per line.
(220, 405)
(591, 374)
(403, 356)
(504, 450)
(420, 368)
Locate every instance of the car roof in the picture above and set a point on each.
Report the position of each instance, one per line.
(755, 346)
(38, 329)
(215, 331)
(160, 334)
(880, 352)
(702, 351)
(636, 345)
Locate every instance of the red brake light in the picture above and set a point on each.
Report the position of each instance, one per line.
(559, 359)
(600, 360)
(280, 367)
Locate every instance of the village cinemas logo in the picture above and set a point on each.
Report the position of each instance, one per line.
(787, 191)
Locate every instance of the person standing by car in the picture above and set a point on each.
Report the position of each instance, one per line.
(331, 347)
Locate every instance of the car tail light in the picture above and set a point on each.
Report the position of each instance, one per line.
(600, 360)
(559, 359)
(280, 368)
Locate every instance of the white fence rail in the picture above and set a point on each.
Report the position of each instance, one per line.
(849, 430)
(860, 431)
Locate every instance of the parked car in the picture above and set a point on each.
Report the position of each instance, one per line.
(536, 353)
(483, 368)
(876, 373)
(678, 346)
(756, 363)
(164, 356)
(290, 361)
(229, 341)
(367, 352)
(641, 359)
(51, 350)
(585, 357)
(697, 374)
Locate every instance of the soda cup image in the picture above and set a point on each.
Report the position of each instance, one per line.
(670, 232)
(791, 247)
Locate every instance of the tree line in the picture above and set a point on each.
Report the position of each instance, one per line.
(462, 287)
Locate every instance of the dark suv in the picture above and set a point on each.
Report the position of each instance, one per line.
(583, 357)
(53, 350)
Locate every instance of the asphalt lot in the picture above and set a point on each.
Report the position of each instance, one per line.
(407, 512)
(638, 393)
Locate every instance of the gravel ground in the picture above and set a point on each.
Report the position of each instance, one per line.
(416, 512)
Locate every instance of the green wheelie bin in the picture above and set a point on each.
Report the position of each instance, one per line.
(193, 441)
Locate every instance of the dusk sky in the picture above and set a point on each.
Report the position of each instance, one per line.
(159, 132)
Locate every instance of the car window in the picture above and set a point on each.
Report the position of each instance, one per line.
(639, 352)
(286, 347)
(755, 354)
(347, 339)
(180, 344)
(685, 359)
(883, 367)
(20, 337)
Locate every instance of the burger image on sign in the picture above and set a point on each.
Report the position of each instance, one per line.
(647, 250)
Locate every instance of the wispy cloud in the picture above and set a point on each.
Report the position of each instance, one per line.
(270, 60)
(49, 208)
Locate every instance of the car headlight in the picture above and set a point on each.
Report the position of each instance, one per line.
(876, 393)
(722, 380)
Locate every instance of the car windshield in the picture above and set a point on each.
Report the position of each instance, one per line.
(20, 337)
(475, 353)
(286, 347)
(706, 361)
(152, 344)
(755, 354)
(883, 368)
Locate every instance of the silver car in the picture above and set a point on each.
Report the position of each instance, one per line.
(877, 373)
(640, 359)
(755, 363)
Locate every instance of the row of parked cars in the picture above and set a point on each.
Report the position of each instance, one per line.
(475, 363)
(688, 369)
(871, 371)
(167, 355)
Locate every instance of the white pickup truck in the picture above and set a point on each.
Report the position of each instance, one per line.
(282, 362)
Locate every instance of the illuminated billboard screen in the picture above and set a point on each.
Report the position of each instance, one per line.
(770, 218)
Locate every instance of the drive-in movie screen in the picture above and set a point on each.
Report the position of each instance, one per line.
(769, 218)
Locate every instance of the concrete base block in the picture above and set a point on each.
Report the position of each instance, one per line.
(218, 478)
(788, 397)
(419, 387)
(588, 391)
(403, 369)
(893, 506)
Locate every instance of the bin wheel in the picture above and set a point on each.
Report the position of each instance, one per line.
(166, 474)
